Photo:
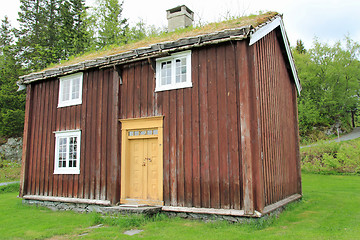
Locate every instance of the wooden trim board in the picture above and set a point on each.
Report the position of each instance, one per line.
(280, 203)
(66, 199)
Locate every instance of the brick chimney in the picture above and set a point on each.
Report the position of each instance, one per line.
(179, 17)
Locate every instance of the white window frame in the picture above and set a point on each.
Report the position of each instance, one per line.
(67, 169)
(173, 85)
(71, 78)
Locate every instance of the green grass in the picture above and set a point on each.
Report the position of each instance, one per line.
(9, 171)
(329, 210)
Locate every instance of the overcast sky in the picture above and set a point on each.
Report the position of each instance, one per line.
(328, 20)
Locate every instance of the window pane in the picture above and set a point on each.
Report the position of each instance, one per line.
(65, 90)
(75, 88)
(180, 75)
(166, 73)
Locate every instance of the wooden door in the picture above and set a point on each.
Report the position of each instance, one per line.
(144, 168)
(142, 161)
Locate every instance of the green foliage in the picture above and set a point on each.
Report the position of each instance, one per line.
(12, 122)
(14, 187)
(12, 103)
(330, 80)
(334, 157)
(110, 25)
(51, 31)
(9, 171)
(300, 48)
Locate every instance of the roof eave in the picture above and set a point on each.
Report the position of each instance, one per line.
(142, 53)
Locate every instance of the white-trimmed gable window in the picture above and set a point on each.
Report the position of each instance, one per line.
(70, 90)
(173, 72)
(67, 152)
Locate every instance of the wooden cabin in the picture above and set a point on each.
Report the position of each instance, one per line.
(203, 120)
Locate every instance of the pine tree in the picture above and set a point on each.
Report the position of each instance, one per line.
(112, 27)
(32, 33)
(300, 48)
(74, 35)
(11, 102)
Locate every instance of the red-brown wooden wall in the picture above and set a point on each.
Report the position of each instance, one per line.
(202, 166)
(230, 141)
(95, 117)
(279, 123)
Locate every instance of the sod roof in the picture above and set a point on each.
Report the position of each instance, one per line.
(235, 29)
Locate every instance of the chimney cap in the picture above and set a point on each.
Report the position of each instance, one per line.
(179, 8)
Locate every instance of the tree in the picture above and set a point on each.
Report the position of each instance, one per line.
(330, 79)
(74, 37)
(300, 48)
(12, 103)
(112, 26)
(50, 31)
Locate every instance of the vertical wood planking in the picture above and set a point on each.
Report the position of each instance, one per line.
(223, 127)
(195, 132)
(233, 127)
(213, 128)
(277, 124)
(100, 83)
(172, 148)
(137, 90)
(109, 139)
(26, 143)
(144, 89)
(188, 176)
(204, 130)
(180, 184)
(163, 101)
(245, 128)
(115, 150)
(104, 124)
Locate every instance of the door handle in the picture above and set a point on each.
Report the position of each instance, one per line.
(149, 159)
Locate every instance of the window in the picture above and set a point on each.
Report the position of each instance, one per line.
(173, 72)
(67, 152)
(70, 92)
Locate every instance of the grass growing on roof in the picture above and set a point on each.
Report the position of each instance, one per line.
(329, 210)
(252, 20)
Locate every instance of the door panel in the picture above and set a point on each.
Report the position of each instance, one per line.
(144, 169)
(153, 170)
(136, 178)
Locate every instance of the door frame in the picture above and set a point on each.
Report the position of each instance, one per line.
(135, 124)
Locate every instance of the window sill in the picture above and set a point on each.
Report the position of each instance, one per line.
(173, 87)
(72, 171)
(69, 103)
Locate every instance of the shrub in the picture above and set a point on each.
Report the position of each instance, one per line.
(12, 122)
(343, 157)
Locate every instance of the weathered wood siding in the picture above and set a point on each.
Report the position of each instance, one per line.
(230, 141)
(202, 166)
(95, 117)
(278, 116)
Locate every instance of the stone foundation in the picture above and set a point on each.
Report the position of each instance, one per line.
(61, 206)
(149, 211)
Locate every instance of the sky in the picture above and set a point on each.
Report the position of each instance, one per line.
(327, 20)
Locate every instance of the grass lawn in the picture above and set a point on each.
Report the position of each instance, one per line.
(330, 209)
